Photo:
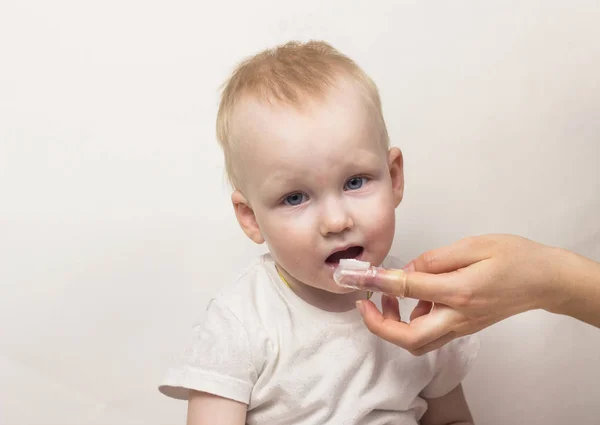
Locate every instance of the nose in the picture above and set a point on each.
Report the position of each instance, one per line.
(335, 218)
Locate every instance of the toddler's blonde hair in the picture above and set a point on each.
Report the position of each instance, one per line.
(289, 73)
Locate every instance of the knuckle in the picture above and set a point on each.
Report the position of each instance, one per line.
(484, 242)
(413, 344)
(374, 326)
(417, 352)
(472, 241)
(429, 258)
(465, 298)
(370, 326)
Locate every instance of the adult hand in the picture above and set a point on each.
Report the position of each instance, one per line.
(479, 281)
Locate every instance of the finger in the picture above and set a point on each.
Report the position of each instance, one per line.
(434, 345)
(447, 321)
(422, 308)
(410, 336)
(453, 257)
(390, 307)
(430, 287)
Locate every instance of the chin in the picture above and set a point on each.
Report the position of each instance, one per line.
(340, 291)
(334, 288)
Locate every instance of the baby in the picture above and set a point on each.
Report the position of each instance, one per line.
(307, 153)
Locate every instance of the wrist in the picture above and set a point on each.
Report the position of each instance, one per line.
(570, 278)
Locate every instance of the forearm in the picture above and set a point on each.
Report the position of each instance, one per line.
(450, 409)
(204, 409)
(427, 422)
(577, 288)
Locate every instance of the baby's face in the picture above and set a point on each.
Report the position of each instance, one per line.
(320, 183)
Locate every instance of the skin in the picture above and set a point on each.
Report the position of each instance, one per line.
(313, 154)
(316, 178)
(479, 281)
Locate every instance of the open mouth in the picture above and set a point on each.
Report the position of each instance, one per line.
(352, 252)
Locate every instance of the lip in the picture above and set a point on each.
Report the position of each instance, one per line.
(343, 248)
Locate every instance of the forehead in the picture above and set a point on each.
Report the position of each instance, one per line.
(342, 126)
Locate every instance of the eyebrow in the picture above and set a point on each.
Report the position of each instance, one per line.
(365, 159)
(279, 180)
(287, 176)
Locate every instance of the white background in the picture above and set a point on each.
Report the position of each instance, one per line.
(115, 222)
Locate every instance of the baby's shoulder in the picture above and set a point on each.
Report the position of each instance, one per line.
(251, 291)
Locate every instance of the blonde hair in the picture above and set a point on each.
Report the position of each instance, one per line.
(288, 73)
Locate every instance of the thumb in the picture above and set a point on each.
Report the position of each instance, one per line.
(421, 309)
(390, 329)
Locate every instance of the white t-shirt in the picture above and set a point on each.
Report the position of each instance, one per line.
(293, 363)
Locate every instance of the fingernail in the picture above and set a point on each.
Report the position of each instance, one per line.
(361, 307)
(410, 267)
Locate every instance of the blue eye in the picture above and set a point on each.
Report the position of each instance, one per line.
(295, 199)
(355, 183)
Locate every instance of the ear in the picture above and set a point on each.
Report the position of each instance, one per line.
(245, 217)
(396, 166)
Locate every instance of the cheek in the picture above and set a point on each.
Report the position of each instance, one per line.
(378, 224)
(381, 226)
(283, 227)
(287, 236)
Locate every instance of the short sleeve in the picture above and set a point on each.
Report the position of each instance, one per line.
(452, 362)
(218, 359)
